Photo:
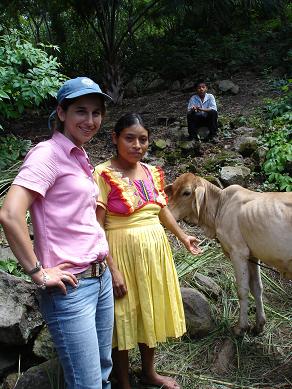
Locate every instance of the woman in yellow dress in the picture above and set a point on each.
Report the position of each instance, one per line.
(132, 209)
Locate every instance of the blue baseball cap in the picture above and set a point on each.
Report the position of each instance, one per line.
(76, 87)
(79, 86)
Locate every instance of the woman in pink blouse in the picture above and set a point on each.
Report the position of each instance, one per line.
(132, 207)
(67, 261)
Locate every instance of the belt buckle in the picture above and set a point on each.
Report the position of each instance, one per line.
(98, 268)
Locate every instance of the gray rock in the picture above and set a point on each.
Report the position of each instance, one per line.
(228, 85)
(189, 85)
(199, 321)
(43, 345)
(47, 375)
(6, 253)
(160, 144)
(10, 381)
(245, 130)
(203, 132)
(246, 145)
(224, 358)
(20, 318)
(206, 285)
(235, 89)
(191, 148)
(234, 175)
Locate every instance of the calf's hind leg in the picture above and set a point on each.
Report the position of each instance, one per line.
(256, 288)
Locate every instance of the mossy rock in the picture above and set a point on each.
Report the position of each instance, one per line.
(160, 144)
(219, 160)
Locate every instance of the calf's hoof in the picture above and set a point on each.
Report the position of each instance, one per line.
(239, 330)
(258, 329)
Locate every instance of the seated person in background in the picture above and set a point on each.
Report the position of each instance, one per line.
(202, 112)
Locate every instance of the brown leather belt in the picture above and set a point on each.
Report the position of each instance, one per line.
(95, 270)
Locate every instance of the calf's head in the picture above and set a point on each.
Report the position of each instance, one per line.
(186, 196)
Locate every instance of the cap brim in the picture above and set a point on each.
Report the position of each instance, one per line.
(87, 91)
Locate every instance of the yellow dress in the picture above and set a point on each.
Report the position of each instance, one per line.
(152, 309)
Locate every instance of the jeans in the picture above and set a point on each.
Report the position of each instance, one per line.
(81, 326)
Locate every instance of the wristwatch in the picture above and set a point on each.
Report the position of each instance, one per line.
(36, 269)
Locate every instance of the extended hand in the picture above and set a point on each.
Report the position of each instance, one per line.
(191, 244)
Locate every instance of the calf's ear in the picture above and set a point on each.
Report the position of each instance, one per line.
(168, 190)
(199, 197)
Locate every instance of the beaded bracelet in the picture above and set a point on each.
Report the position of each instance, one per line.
(43, 285)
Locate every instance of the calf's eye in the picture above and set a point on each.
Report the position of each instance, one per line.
(186, 193)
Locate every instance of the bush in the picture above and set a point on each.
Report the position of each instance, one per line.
(278, 162)
(28, 75)
(12, 150)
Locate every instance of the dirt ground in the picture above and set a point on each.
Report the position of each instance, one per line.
(168, 105)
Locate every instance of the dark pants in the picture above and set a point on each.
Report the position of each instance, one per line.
(202, 119)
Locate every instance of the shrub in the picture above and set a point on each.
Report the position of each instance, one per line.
(28, 75)
(12, 149)
(278, 139)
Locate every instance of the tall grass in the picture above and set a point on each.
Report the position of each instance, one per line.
(259, 362)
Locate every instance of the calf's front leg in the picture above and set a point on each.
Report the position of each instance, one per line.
(241, 271)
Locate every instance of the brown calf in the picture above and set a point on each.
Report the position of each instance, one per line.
(248, 225)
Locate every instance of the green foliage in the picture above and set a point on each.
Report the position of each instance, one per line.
(278, 162)
(28, 75)
(12, 267)
(12, 149)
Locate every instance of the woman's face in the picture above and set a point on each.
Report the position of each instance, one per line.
(82, 119)
(132, 143)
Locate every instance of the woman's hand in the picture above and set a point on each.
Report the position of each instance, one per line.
(56, 277)
(119, 285)
(191, 244)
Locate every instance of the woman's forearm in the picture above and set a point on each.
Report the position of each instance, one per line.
(170, 223)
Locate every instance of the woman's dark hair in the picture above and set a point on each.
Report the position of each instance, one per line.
(65, 104)
(128, 120)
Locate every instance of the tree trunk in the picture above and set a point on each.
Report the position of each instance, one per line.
(113, 82)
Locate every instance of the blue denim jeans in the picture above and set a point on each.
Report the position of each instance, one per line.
(81, 326)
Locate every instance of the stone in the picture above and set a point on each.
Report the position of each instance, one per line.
(160, 144)
(43, 345)
(6, 253)
(20, 318)
(199, 321)
(246, 145)
(244, 130)
(47, 375)
(231, 175)
(10, 381)
(225, 85)
(224, 358)
(203, 132)
(206, 285)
